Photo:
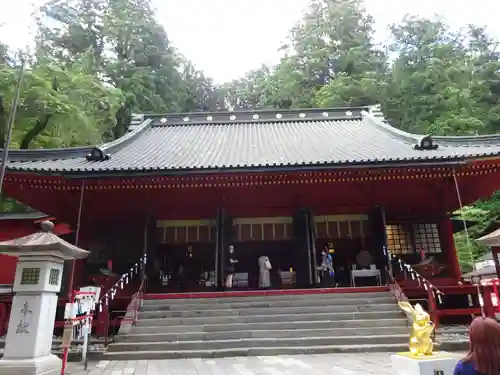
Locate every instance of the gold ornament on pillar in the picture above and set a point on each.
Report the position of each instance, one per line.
(421, 330)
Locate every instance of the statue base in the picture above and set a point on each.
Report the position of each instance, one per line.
(46, 365)
(435, 364)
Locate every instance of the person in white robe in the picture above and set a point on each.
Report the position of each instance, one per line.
(264, 272)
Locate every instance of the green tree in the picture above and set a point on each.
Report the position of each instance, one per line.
(59, 107)
(331, 46)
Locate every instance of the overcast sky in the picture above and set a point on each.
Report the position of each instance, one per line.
(226, 38)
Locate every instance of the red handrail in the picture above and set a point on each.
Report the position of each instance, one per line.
(395, 288)
(422, 281)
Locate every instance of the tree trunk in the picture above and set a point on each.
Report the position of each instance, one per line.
(40, 126)
(3, 123)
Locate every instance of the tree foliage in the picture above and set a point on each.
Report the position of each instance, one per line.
(98, 61)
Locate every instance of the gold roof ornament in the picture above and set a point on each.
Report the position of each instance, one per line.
(422, 327)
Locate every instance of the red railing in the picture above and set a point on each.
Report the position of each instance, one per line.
(491, 298)
(106, 321)
(422, 282)
(483, 304)
(395, 288)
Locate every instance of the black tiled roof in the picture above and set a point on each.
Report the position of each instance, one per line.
(255, 140)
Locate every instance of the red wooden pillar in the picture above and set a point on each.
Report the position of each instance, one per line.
(102, 322)
(4, 318)
(489, 309)
(448, 247)
(495, 250)
(433, 309)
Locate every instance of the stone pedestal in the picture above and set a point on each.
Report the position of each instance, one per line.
(46, 365)
(436, 364)
(38, 280)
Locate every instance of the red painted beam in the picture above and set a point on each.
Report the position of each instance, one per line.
(459, 312)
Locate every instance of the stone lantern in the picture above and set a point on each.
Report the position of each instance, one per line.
(38, 278)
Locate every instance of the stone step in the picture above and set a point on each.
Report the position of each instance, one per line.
(262, 298)
(254, 351)
(192, 305)
(257, 343)
(263, 334)
(266, 325)
(314, 316)
(161, 314)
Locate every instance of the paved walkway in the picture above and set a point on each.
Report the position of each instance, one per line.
(324, 364)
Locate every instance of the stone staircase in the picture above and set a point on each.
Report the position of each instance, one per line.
(264, 325)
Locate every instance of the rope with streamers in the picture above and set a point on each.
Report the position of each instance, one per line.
(107, 297)
(422, 281)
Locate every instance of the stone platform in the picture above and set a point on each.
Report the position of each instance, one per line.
(325, 364)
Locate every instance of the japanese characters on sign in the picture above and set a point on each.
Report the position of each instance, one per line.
(23, 325)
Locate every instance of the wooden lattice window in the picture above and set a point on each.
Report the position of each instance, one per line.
(427, 238)
(30, 276)
(185, 231)
(342, 226)
(399, 239)
(54, 276)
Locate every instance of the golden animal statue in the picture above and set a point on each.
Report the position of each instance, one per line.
(421, 329)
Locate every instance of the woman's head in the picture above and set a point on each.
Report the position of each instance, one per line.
(484, 345)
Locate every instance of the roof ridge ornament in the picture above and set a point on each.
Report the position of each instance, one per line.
(98, 154)
(425, 143)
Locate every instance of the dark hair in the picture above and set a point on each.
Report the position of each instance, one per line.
(484, 346)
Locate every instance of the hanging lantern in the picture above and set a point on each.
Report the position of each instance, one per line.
(412, 275)
(440, 299)
(418, 281)
(121, 284)
(126, 278)
(425, 286)
(100, 307)
(107, 300)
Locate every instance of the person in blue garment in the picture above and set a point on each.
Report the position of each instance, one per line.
(483, 357)
(327, 269)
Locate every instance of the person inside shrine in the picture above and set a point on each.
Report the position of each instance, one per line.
(231, 267)
(264, 272)
(327, 267)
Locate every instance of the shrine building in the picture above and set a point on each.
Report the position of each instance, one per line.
(181, 188)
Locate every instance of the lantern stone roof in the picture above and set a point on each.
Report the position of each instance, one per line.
(491, 239)
(256, 140)
(29, 215)
(42, 242)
